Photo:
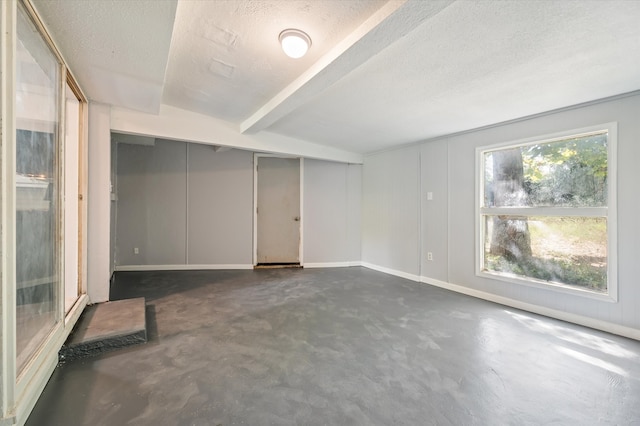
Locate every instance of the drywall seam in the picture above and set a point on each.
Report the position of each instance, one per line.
(301, 211)
(421, 209)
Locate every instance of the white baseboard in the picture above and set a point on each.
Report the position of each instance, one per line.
(129, 268)
(620, 330)
(182, 267)
(332, 264)
(391, 271)
(25, 405)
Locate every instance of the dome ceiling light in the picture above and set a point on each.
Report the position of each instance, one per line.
(295, 43)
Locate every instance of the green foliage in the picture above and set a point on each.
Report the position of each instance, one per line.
(581, 230)
(565, 250)
(575, 272)
(570, 172)
(561, 173)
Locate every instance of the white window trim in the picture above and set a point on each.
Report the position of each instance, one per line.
(610, 212)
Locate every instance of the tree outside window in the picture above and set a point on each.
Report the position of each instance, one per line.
(544, 211)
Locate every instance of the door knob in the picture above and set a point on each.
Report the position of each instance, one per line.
(297, 218)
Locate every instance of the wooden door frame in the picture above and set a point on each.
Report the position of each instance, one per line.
(81, 236)
(256, 157)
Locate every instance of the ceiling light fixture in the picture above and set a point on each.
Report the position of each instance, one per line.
(295, 43)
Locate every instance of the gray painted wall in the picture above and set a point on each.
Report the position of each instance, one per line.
(185, 203)
(447, 168)
(220, 206)
(435, 211)
(332, 193)
(390, 205)
(152, 195)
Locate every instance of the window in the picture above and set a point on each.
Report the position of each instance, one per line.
(38, 214)
(546, 211)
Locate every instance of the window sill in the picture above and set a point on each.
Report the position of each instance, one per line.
(550, 286)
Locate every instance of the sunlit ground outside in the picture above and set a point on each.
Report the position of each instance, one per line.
(565, 250)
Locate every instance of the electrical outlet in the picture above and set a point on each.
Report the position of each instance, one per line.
(429, 256)
(429, 196)
(136, 250)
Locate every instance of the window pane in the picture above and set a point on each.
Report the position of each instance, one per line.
(562, 250)
(37, 189)
(566, 173)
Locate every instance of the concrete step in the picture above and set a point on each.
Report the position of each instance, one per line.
(105, 327)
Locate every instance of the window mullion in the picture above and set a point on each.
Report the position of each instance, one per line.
(545, 211)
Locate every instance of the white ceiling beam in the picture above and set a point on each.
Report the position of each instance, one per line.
(133, 139)
(394, 20)
(182, 125)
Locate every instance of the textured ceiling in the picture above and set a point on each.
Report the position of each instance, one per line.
(118, 50)
(378, 74)
(476, 64)
(225, 58)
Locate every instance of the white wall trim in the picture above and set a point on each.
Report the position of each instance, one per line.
(256, 158)
(333, 264)
(128, 268)
(99, 203)
(8, 36)
(182, 125)
(390, 271)
(122, 268)
(31, 395)
(50, 360)
(608, 211)
(608, 327)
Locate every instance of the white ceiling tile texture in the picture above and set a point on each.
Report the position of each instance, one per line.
(476, 64)
(118, 50)
(467, 64)
(225, 58)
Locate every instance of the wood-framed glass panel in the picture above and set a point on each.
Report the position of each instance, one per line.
(546, 210)
(38, 189)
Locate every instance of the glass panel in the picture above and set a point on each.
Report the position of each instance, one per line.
(566, 173)
(562, 250)
(37, 189)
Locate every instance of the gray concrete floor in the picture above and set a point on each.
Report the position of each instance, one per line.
(337, 347)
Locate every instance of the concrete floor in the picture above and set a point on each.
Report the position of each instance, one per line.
(104, 327)
(337, 347)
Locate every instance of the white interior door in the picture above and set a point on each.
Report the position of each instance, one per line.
(278, 210)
